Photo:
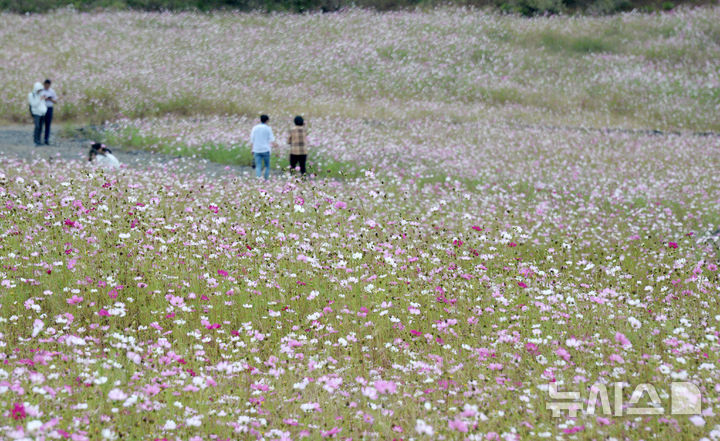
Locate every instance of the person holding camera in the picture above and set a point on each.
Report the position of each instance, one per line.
(102, 156)
(50, 100)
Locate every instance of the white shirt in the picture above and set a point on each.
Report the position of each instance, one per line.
(261, 137)
(108, 160)
(36, 101)
(49, 93)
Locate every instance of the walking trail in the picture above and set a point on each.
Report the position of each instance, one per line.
(16, 143)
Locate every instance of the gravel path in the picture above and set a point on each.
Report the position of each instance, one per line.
(16, 143)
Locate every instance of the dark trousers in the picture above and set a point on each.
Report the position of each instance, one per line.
(296, 160)
(48, 121)
(38, 120)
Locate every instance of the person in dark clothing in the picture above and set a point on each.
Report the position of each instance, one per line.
(50, 100)
(298, 145)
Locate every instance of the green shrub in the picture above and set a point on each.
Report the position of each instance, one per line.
(583, 44)
(604, 7)
(531, 8)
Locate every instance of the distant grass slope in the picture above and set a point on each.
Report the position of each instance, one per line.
(631, 70)
(524, 7)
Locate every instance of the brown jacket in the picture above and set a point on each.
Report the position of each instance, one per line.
(297, 141)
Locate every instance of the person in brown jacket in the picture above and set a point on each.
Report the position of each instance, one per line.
(298, 145)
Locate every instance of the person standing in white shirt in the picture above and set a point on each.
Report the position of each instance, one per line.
(262, 141)
(37, 110)
(50, 100)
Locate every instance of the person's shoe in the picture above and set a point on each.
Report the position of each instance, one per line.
(47, 142)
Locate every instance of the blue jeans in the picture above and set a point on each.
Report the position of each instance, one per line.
(262, 158)
(37, 133)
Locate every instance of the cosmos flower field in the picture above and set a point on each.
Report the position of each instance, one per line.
(493, 237)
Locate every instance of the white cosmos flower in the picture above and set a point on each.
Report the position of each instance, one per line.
(424, 428)
(34, 425)
(635, 323)
(195, 421)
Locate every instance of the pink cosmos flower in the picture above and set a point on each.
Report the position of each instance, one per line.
(385, 387)
(74, 300)
(18, 411)
(370, 392)
(620, 338)
(672, 244)
(331, 433)
(459, 425)
(575, 429)
(563, 353)
(117, 394)
(616, 358)
(151, 389)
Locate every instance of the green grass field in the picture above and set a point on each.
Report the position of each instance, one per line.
(503, 224)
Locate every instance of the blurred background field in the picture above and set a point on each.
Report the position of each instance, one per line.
(655, 71)
(375, 87)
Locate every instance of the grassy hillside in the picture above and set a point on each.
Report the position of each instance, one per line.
(631, 70)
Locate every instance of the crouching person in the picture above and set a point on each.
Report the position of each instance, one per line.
(102, 156)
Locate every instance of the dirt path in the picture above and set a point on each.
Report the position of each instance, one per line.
(16, 143)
